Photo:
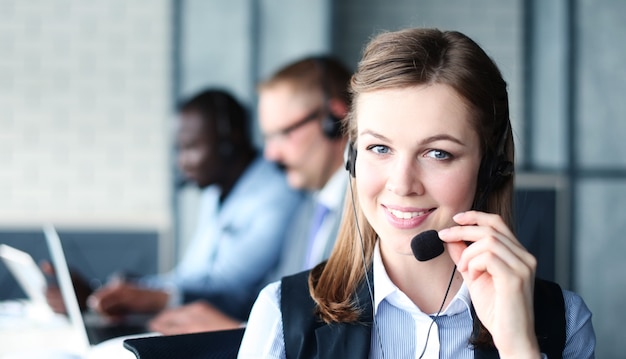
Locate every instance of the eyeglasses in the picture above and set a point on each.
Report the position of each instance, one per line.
(283, 133)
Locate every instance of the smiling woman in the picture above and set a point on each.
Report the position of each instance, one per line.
(430, 124)
(410, 181)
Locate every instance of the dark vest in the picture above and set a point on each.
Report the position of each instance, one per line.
(306, 336)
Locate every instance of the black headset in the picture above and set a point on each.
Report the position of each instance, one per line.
(351, 159)
(495, 169)
(225, 146)
(331, 124)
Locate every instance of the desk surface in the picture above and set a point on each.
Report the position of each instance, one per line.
(28, 334)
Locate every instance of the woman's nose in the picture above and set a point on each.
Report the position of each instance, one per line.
(404, 180)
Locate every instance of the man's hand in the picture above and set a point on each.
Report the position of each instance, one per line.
(53, 293)
(119, 298)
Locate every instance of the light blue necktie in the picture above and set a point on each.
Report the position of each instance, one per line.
(312, 253)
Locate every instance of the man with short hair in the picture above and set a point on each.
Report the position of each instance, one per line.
(301, 109)
(300, 112)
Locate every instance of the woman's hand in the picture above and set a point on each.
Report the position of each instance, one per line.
(499, 273)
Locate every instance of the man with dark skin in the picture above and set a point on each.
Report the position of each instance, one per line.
(245, 204)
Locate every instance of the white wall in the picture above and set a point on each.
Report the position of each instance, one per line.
(85, 111)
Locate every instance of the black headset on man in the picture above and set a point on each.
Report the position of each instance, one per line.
(331, 124)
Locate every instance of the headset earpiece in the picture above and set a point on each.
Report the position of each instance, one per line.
(224, 131)
(331, 126)
(504, 169)
(225, 149)
(494, 170)
(351, 159)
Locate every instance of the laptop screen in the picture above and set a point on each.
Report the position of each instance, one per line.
(65, 285)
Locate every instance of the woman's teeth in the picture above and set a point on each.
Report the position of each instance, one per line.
(406, 215)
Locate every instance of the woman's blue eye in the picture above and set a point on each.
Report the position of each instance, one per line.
(380, 149)
(439, 154)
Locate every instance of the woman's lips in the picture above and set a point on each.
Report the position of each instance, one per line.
(407, 218)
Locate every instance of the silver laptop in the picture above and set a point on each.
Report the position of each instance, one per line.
(89, 328)
(67, 288)
(37, 311)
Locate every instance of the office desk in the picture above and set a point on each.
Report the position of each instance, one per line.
(26, 333)
(25, 330)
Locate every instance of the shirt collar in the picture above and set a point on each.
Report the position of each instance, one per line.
(385, 289)
(331, 195)
(384, 286)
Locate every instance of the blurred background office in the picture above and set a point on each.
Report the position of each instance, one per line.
(87, 94)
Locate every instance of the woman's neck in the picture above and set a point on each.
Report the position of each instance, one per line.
(425, 283)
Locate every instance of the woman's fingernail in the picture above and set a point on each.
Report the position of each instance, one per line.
(443, 232)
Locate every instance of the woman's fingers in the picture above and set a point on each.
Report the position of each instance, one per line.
(497, 246)
(476, 219)
(499, 273)
(485, 232)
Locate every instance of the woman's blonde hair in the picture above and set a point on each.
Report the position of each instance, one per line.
(404, 59)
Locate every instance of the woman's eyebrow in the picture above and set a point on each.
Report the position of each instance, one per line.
(430, 139)
(442, 137)
(373, 134)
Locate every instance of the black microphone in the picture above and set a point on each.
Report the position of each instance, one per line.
(426, 245)
(281, 166)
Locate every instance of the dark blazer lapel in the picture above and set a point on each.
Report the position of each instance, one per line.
(349, 340)
(343, 341)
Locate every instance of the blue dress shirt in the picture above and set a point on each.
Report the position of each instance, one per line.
(237, 242)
